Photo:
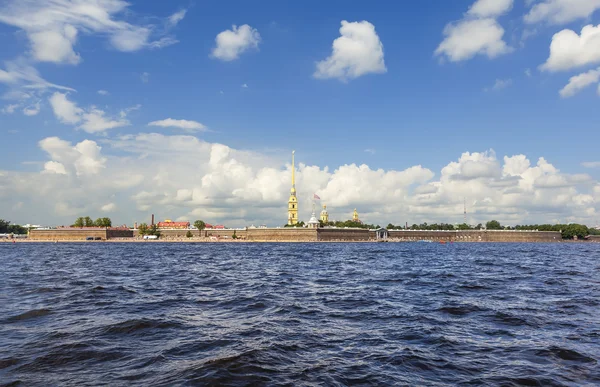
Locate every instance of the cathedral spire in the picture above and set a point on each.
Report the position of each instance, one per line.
(293, 173)
(293, 202)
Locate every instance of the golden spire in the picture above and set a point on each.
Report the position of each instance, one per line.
(293, 190)
(293, 202)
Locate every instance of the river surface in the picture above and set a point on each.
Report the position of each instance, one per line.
(299, 314)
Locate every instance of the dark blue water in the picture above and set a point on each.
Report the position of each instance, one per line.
(300, 314)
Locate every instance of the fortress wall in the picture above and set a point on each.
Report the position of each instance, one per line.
(224, 233)
(477, 236)
(282, 234)
(344, 234)
(119, 233)
(71, 234)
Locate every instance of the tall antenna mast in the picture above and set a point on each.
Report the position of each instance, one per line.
(465, 210)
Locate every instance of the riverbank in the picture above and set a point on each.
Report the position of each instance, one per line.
(210, 240)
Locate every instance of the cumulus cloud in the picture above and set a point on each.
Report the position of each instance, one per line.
(189, 126)
(84, 158)
(568, 50)
(52, 27)
(103, 92)
(230, 44)
(561, 11)
(91, 120)
(358, 51)
(478, 33)
(152, 173)
(490, 8)
(580, 82)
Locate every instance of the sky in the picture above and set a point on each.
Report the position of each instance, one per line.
(405, 111)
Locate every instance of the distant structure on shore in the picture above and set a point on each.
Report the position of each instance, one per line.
(293, 202)
(169, 224)
(324, 215)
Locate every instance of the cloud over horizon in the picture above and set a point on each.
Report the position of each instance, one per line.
(240, 188)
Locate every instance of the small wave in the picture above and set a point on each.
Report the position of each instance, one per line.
(29, 315)
(132, 326)
(565, 354)
(460, 310)
(5, 363)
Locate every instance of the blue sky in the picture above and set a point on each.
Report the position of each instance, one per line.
(423, 109)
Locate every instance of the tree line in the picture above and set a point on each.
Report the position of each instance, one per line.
(7, 228)
(568, 231)
(89, 222)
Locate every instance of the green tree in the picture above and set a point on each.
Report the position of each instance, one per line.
(103, 222)
(189, 234)
(493, 225)
(200, 225)
(16, 229)
(79, 222)
(4, 224)
(88, 222)
(234, 236)
(143, 229)
(464, 226)
(153, 230)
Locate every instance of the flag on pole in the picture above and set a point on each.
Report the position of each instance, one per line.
(315, 196)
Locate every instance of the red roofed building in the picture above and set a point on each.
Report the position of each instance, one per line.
(173, 225)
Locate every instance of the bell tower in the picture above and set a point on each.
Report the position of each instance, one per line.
(293, 202)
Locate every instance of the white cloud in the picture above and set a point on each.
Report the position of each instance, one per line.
(230, 44)
(189, 126)
(528, 72)
(55, 45)
(244, 86)
(561, 11)
(32, 110)
(468, 38)
(238, 187)
(25, 80)
(145, 77)
(54, 167)
(490, 8)
(53, 26)
(478, 33)
(82, 159)
(500, 84)
(110, 207)
(591, 164)
(580, 82)
(569, 50)
(103, 92)
(66, 111)
(370, 150)
(358, 51)
(92, 120)
(10, 108)
(175, 18)
(95, 121)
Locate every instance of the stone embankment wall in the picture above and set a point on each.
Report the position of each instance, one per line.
(74, 234)
(344, 234)
(282, 234)
(476, 236)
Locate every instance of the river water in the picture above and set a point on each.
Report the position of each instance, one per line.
(299, 314)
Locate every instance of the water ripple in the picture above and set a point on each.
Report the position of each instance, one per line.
(300, 314)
